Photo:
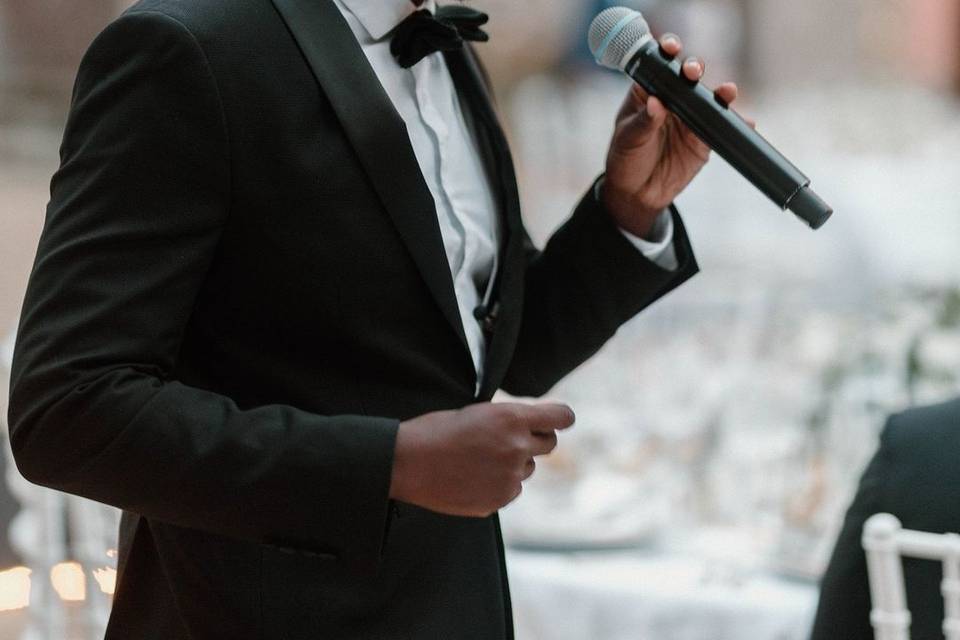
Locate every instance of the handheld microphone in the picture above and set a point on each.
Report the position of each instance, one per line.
(620, 39)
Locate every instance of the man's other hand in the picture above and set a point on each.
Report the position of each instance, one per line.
(471, 462)
(653, 156)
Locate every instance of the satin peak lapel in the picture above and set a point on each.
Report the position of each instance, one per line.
(378, 135)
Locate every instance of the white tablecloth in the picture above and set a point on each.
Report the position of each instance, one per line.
(641, 595)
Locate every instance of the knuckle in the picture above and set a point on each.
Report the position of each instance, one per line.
(506, 457)
(504, 451)
(518, 445)
(509, 492)
(513, 451)
(511, 415)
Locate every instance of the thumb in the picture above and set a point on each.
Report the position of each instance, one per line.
(642, 126)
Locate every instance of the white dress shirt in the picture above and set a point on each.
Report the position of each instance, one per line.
(446, 150)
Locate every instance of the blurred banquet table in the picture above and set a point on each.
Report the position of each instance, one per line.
(642, 595)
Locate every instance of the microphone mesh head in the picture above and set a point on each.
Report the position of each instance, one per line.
(613, 34)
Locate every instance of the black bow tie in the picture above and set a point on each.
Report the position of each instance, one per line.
(423, 33)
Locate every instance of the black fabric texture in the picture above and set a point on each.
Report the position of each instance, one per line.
(240, 292)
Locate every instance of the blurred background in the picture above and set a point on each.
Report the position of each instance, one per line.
(721, 434)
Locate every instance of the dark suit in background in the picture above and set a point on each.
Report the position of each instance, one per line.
(239, 293)
(915, 475)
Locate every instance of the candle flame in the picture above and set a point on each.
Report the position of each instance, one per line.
(68, 581)
(14, 589)
(107, 579)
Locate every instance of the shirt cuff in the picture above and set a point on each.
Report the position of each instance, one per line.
(660, 249)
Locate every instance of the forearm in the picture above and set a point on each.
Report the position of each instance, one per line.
(272, 474)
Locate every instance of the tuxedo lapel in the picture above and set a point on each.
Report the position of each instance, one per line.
(378, 135)
(470, 81)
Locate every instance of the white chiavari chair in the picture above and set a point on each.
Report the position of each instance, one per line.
(886, 542)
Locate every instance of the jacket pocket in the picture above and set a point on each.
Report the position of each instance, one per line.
(297, 592)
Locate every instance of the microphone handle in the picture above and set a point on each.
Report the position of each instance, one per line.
(724, 131)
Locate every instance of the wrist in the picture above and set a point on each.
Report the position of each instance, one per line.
(625, 210)
(403, 480)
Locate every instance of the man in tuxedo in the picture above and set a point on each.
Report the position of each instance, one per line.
(282, 274)
(913, 475)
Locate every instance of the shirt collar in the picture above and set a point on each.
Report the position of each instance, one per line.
(380, 17)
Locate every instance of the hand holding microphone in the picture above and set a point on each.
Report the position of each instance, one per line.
(655, 153)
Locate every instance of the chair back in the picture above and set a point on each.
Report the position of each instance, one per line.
(886, 542)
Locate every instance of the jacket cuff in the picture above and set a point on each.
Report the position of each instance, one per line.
(352, 510)
(623, 259)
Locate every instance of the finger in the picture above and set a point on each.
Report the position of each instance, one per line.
(635, 100)
(670, 44)
(542, 443)
(544, 417)
(693, 68)
(727, 92)
(655, 109)
(528, 469)
(690, 140)
(640, 128)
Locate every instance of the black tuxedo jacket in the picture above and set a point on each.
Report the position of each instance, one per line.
(240, 290)
(915, 476)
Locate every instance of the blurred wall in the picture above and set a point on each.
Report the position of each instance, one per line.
(933, 30)
(837, 41)
(41, 42)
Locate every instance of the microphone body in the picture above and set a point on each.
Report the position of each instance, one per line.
(721, 128)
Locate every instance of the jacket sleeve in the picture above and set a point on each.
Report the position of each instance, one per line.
(587, 282)
(844, 608)
(136, 212)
